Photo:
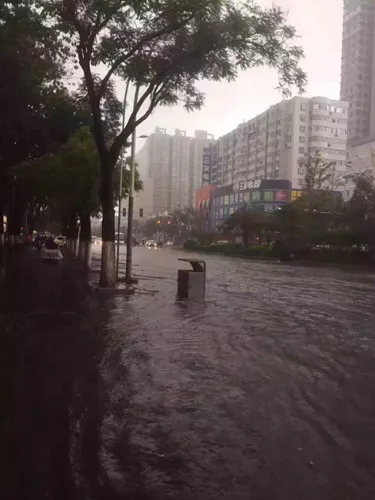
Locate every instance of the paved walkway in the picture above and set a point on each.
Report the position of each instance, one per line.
(48, 372)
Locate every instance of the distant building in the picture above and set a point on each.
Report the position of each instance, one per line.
(199, 143)
(271, 145)
(358, 69)
(143, 200)
(174, 163)
(203, 205)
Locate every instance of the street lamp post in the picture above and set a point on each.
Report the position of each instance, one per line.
(129, 241)
(120, 182)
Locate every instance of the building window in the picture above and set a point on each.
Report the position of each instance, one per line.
(302, 139)
(255, 196)
(281, 195)
(296, 194)
(302, 128)
(226, 200)
(268, 196)
(303, 118)
(231, 199)
(301, 150)
(246, 197)
(303, 106)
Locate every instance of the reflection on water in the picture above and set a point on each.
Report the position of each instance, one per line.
(264, 391)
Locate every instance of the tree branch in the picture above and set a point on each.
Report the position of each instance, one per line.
(148, 38)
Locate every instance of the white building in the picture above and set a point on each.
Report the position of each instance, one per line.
(143, 200)
(270, 145)
(174, 163)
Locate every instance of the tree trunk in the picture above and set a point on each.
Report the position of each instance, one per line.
(245, 238)
(33, 216)
(2, 235)
(72, 234)
(84, 252)
(65, 227)
(108, 270)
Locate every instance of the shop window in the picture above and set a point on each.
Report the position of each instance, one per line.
(268, 196)
(282, 196)
(255, 196)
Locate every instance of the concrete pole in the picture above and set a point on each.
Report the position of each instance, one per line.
(120, 182)
(129, 242)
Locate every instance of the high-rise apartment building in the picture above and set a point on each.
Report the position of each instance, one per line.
(271, 145)
(358, 69)
(174, 163)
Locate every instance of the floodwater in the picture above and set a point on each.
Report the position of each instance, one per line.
(264, 391)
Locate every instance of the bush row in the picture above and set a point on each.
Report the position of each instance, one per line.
(338, 256)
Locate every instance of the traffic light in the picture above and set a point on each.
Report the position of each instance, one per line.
(141, 212)
(124, 212)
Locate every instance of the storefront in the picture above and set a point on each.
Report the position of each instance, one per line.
(266, 195)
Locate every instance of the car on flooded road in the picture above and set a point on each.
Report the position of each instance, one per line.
(151, 244)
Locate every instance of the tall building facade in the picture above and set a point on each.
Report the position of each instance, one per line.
(271, 145)
(174, 163)
(358, 69)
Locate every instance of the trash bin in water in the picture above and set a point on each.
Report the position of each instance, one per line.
(191, 283)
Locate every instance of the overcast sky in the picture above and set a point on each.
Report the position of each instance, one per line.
(319, 25)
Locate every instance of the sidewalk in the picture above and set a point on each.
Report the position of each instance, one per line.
(48, 381)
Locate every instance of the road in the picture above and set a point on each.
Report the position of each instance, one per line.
(265, 391)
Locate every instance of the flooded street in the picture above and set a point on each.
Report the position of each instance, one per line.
(265, 391)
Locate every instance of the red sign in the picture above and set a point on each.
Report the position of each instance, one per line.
(282, 195)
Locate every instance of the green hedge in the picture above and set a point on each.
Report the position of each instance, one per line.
(235, 249)
(323, 255)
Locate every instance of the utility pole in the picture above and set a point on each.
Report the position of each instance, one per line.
(129, 243)
(122, 156)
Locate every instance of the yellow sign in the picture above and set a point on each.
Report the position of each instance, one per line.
(296, 193)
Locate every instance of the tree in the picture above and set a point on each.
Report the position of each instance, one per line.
(30, 80)
(67, 183)
(249, 221)
(165, 48)
(318, 189)
(361, 209)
